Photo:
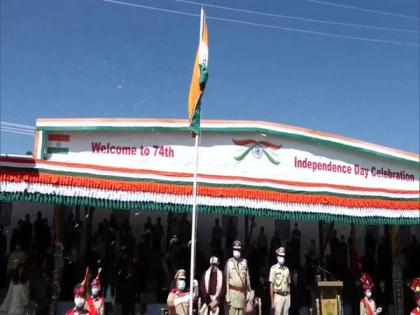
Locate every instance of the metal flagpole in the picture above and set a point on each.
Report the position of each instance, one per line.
(193, 227)
(194, 201)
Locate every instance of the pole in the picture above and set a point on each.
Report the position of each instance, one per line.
(194, 202)
(193, 227)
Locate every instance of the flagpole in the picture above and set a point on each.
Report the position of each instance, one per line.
(193, 227)
(194, 204)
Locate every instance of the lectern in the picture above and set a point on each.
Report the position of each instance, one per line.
(328, 300)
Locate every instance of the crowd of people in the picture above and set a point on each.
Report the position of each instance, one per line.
(43, 268)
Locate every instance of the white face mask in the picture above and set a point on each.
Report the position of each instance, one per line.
(236, 254)
(79, 302)
(280, 260)
(368, 294)
(95, 291)
(181, 285)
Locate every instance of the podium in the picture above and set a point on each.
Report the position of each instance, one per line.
(328, 300)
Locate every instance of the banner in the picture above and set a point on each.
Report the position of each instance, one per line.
(237, 155)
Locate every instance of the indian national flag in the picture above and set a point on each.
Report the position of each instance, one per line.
(199, 77)
(58, 143)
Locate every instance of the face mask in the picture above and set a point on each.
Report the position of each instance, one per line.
(79, 302)
(95, 291)
(280, 260)
(368, 294)
(181, 285)
(236, 254)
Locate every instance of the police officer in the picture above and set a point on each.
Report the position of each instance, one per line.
(237, 281)
(179, 297)
(280, 284)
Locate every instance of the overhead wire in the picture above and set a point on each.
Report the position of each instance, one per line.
(270, 26)
(297, 18)
(16, 131)
(15, 128)
(363, 9)
(10, 124)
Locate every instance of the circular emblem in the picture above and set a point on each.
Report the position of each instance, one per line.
(257, 151)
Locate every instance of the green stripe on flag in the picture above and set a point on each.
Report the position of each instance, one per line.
(195, 121)
(51, 150)
(204, 75)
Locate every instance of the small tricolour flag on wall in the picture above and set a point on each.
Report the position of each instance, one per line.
(58, 143)
(199, 77)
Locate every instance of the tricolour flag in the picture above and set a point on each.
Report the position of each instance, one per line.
(199, 77)
(58, 143)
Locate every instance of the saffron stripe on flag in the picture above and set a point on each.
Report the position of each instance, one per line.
(58, 137)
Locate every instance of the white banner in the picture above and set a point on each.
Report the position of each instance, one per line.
(236, 155)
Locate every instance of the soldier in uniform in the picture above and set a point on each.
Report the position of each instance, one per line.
(415, 286)
(237, 281)
(179, 297)
(279, 279)
(96, 302)
(367, 303)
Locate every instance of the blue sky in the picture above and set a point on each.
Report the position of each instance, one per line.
(91, 58)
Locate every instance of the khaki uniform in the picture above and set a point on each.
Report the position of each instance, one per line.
(237, 285)
(280, 280)
(178, 302)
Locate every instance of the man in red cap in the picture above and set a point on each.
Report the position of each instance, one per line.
(415, 286)
(80, 307)
(79, 301)
(367, 304)
(96, 303)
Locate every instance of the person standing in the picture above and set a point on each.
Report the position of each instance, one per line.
(274, 244)
(230, 233)
(158, 234)
(262, 242)
(216, 234)
(279, 279)
(17, 298)
(212, 289)
(96, 302)
(367, 303)
(79, 301)
(16, 258)
(238, 283)
(27, 233)
(179, 297)
(80, 307)
(38, 231)
(415, 286)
